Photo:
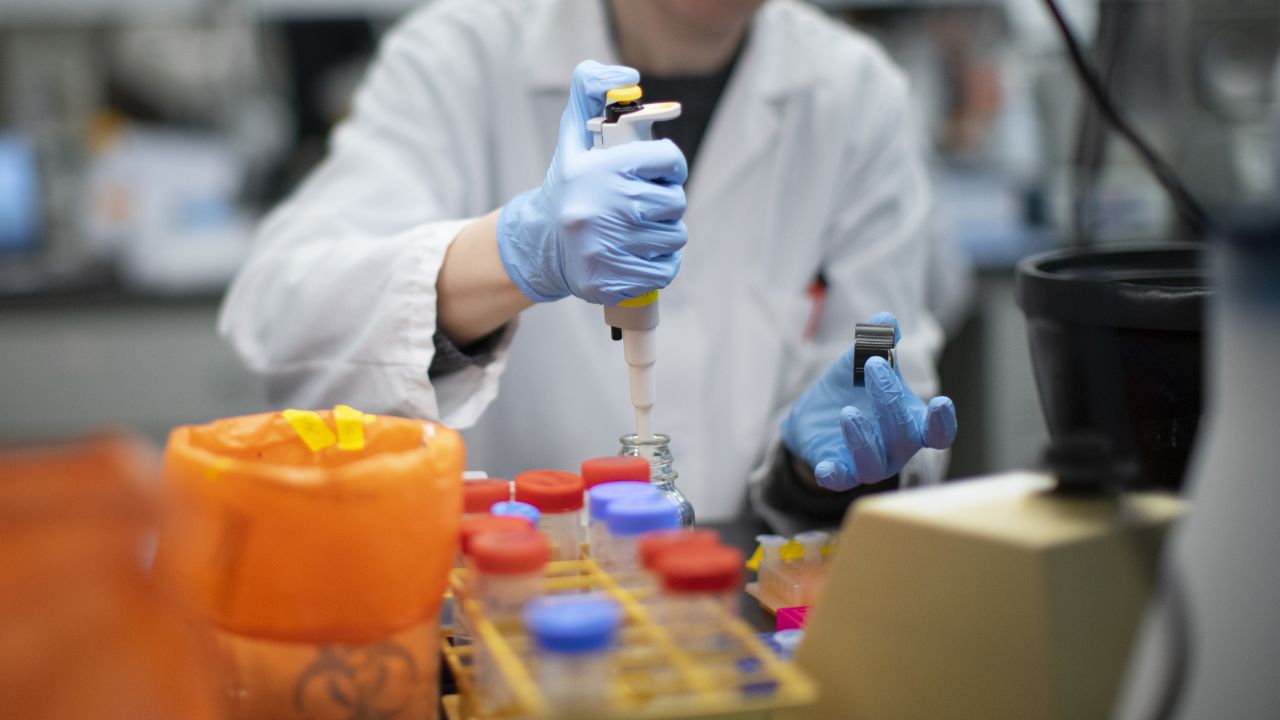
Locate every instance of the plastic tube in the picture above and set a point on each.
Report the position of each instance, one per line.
(614, 468)
(473, 526)
(574, 637)
(770, 550)
(653, 546)
(598, 500)
(508, 569)
(508, 574)
(629, 518)
(558, 496)
(480, 495)
(812, 542)
(696, 574)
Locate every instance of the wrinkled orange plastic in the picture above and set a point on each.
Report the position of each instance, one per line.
(267, 539)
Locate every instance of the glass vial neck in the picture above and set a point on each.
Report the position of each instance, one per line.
(662, 472)
(657, 450)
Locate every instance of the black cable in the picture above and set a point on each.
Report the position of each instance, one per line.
(1187, 207)
(1173, 596)
(1092, 133)
(1169, 586)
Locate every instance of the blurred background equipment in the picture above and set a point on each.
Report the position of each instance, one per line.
(140, 141)
(1117, 348)
(19, 195)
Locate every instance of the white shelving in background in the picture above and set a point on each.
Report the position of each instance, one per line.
(77, 12)
(375, 9)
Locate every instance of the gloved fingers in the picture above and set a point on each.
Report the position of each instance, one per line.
(657, 273)
(631, 279)
(834, 474)
(866, 446)
(658, 161)
(885, 317)
(651, 240)
(659, 203)
(940, 423)
(892, 402)
(591, 80)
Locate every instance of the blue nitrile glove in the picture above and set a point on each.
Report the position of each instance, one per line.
(854, 435)
(606, 224)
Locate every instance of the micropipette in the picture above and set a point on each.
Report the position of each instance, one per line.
(635, 320)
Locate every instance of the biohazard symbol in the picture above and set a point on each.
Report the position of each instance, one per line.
(364, 682)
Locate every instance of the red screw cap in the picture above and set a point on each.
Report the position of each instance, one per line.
(510, 553)
(655, 544)
(701, 570)
(474, 526)
(551, 491)
(480, 495)
(614, 468)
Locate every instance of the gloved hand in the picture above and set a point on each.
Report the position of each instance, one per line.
(854, 435)
(606, 224)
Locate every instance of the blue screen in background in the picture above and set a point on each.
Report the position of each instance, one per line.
(19, 194)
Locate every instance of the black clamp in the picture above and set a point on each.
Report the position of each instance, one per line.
(871, 340)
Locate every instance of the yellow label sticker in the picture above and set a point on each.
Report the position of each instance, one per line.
(791, 551)
(648, 298)
(214, 471)
(350, 422)
(311, 428)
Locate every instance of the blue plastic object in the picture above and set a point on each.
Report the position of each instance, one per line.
(853, 435)
(516, 508)
(600, 496)
(631, 516)
(606, 225)
(19, 195)
(572, 625)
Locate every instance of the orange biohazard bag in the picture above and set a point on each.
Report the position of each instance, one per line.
(316, 546)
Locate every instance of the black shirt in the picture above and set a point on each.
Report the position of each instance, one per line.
(698, 96)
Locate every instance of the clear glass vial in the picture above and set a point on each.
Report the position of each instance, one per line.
(662, 473)
(574, 639)
(558, 497)
(598, 500)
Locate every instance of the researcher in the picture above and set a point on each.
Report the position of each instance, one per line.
(449, 257)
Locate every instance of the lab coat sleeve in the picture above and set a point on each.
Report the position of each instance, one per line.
(875, 258)
(337, 302)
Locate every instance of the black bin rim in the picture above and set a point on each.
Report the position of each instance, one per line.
(1144, 287)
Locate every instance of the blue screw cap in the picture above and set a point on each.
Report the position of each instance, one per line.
(631, 516)
(572, 624)
(517, 509)
(599, 497)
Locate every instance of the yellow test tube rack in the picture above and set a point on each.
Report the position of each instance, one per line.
(658, 673)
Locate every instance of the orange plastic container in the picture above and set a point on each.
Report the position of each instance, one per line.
(318, 547)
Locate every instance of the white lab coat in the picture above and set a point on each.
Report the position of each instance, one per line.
(806, 166)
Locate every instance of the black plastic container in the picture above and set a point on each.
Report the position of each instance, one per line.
(1116, 346)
